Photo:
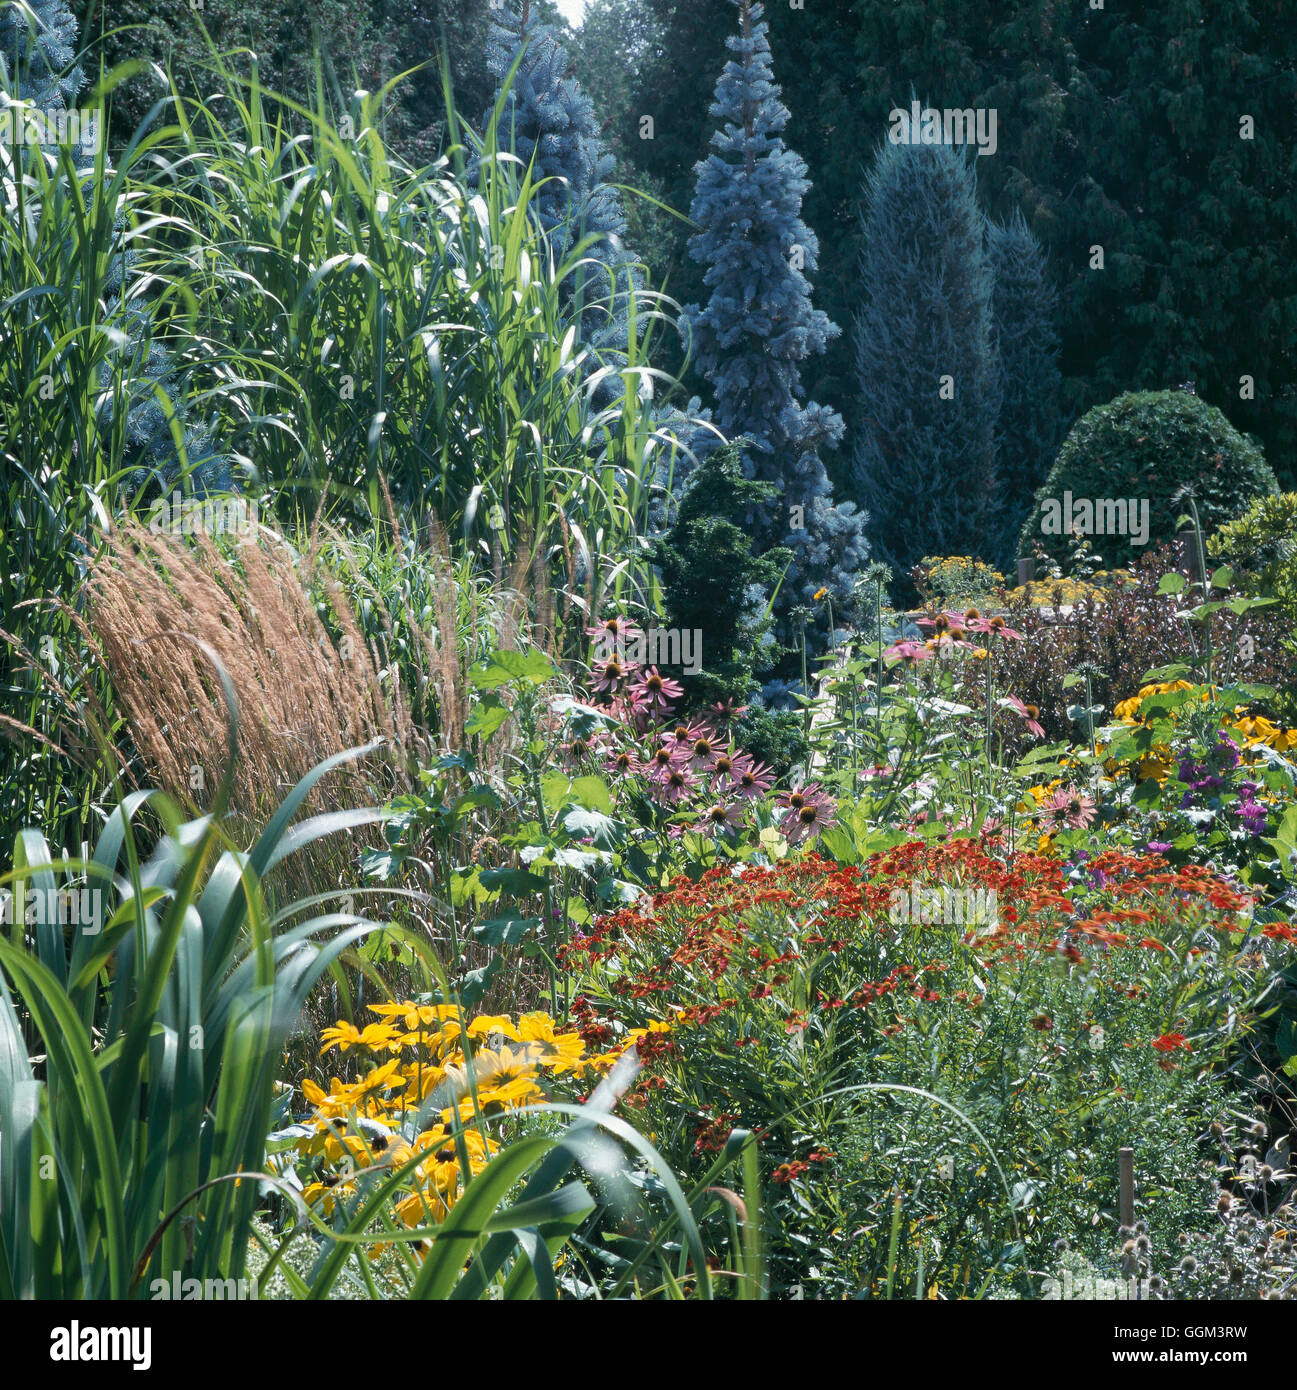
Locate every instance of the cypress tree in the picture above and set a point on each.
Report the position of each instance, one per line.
(758, 325)
(925, 359)
(1031, 407)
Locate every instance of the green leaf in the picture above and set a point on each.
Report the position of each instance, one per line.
(1147, 792)
(381, 864)
(487, 716)
(1171, 584)
(506, 931)
(570, 1200)
(518, 882)
(1177, 671)
(504, 667)
(556, 788)
(572, 858)
(592, 793)
(482, 797)
(1286, 1038)
(838, 844)
(616, 890)
(591, 825)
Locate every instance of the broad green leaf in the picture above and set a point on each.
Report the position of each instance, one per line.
(506, 931)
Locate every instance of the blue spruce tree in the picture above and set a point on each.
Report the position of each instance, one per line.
(37, 48)
(548, 122)
(924, 462)
(1031, 410)
(758, 325)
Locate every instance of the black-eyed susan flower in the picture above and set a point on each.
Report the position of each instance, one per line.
(344, 1035)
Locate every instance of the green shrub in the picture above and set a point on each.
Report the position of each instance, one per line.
(714, 583)
(1154, 446)
(1261, 547)
(957, 579)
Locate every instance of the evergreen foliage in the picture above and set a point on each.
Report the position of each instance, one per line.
(1120, 128)
(758, 324)
(924, 460)
(38, 49)
(548, 122)
(1028, 431)
(712, 581)
(1159, 446)
(358, 46)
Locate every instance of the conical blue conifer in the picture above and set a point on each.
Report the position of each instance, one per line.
(1031, 408)
(548, 121)
(758, 324)
(924, 461)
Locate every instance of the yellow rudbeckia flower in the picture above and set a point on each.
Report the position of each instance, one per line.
(344, 1035)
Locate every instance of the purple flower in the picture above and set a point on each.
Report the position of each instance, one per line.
(1229, 755)
(656, 691)
(809, 810)
(673, 784)
(908, 651)
(1251, 813)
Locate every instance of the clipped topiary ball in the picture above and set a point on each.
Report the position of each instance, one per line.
(1122, 464)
